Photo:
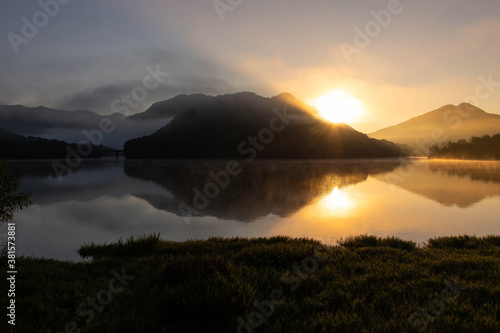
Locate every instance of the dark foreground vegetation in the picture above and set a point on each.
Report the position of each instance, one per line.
(366, 284)
(477, 148)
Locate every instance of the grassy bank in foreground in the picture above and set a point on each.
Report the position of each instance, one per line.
(366, 284)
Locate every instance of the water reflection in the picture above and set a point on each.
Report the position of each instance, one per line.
(90, 180)
(102, 201)
(338, 202)
(264, 187)
(485, 171)
(450, 183)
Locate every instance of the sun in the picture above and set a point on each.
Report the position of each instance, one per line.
(337, 106)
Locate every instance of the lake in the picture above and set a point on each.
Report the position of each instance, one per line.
(105, 200)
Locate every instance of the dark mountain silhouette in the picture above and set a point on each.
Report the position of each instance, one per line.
(14, 147)
(450, 183)
(35, 121)
(69, 125)
(442, 125)
(173, 106)
(244, 126)
(262, 188)
(476, 148)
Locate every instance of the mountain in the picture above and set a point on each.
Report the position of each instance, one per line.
(69, 126)
(248, 126)
(34, 121)
(447, 123)
(172, 107)
(15, 147)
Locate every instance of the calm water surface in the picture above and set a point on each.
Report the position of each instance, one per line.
(103, 201)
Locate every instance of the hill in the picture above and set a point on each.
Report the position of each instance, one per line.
(17, 147)
(449, 122)
(476, 148)
(247, 126)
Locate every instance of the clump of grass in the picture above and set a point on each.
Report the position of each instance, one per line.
(464, 242)
(145, 245)
(359, 241)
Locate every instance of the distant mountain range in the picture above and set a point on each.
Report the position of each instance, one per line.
(248, 126)
(68, 125)
(201, 126)
(447, 123)
(14, 146)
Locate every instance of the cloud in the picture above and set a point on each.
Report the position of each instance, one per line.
(94, 99)
(187, 75)
(95, 51)
(479, 35)
(93, 81)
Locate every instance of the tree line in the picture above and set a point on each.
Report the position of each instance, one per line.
(485, 147)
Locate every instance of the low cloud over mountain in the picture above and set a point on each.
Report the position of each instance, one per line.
(74, 126)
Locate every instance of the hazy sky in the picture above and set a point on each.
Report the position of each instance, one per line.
(86, 54)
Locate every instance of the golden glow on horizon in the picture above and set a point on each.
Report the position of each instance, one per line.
(337, 106)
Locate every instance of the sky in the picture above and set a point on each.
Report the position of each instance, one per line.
(399, 58)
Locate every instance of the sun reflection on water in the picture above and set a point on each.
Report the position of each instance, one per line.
(337, 201)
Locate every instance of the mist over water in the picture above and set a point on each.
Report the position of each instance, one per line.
(103, 201)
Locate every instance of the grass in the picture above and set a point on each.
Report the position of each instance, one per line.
(354, 242)
(279, 284)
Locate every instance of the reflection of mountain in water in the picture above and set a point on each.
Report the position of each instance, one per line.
(263, 187)
(450, 183)
(44, 169)
(90, 180)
